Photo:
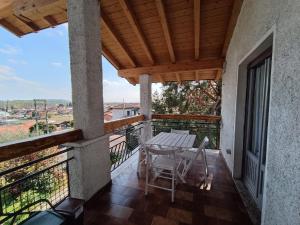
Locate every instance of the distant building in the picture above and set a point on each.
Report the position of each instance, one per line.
(125, 110)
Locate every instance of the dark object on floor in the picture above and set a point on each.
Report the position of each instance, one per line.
(72, 210)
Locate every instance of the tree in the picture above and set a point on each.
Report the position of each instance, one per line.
(203, 97)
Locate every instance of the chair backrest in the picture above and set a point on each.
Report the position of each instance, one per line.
(159, 150)
(180, 131)
(202, 146)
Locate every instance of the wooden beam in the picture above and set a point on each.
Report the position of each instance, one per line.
(107, 54)
(132, 80)
(178, 78)
(197, 75)
(197, 4)
(136, 28)
(161, 79)
(237, 5)
(187, 117)
(109, 127)
(50, 20)
(219, 74)
(28, 146)
(10, 27)
(27, 22)
(204, 64)
(165, 27)
(108, 26)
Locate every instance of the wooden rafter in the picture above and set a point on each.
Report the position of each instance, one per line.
(219, 74)
(178, 78)
(107, 54)
(7, 25)
(108, 26)
(197, 28)
(50, 20)
(237, 5)
(136, 28)
(165, 27)
(29, 23)
(204, 64)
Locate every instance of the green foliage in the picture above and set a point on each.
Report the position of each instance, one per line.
(114, 157)
(201, 97)
(42, 127)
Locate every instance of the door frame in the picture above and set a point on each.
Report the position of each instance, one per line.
(266, 42)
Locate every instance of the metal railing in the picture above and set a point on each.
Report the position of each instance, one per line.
(124, 145)
(211, 129)
(44, 177)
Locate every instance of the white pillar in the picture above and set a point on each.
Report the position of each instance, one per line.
(90, 170)
(86, 68)
(146, 104)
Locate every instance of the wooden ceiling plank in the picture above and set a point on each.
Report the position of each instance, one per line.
(108, 55)
(10, 27)
(29, 23)
(197, 73)
(117, 40)
(203, 64)
(237, 5)
(165, 26)
(136, 28)
(197, 28)
(50, 20)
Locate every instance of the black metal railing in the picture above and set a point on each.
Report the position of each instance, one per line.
(124, 145)
(199, 128)
(44, 177)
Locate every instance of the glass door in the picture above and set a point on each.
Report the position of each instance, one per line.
(256, 125)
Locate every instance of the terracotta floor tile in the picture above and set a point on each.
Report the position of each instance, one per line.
(119, 211)
(180, 215)
(124, 202)
(158, 220)
(184, 195)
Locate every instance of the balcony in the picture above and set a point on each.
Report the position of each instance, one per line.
(122, 201)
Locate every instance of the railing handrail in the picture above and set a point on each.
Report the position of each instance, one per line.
(209, 118)
(111, 126)
(28, 146)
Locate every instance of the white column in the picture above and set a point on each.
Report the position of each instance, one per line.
(86, 68)
(90, 170)
(146, 104)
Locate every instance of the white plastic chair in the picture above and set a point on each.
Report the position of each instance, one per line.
(180, 131)
(188, 156)
(161, 161)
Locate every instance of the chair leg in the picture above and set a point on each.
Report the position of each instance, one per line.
(147, 179)
(173, 185)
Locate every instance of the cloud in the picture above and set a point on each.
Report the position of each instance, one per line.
(56, 64)
(9, 50)
(16, 87)
(17, 61)
(117, 90)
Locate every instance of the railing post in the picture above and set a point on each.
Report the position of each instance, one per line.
(146, 104)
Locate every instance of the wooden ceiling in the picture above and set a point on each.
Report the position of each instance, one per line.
(173, 40)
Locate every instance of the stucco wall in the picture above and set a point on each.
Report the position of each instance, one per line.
(281, 204)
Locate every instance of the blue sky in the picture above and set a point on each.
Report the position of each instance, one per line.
(37, 66)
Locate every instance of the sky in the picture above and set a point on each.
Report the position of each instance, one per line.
(38, 66)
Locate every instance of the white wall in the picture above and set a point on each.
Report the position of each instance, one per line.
(281, 204)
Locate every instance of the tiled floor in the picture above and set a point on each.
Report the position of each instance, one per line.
(124, 201)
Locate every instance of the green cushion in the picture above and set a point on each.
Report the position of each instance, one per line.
(45, 218)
